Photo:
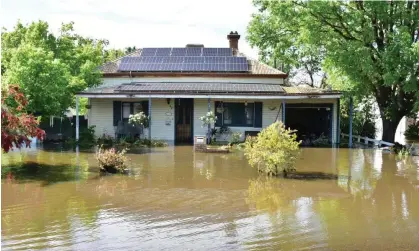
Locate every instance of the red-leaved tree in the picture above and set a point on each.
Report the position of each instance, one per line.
(16, 125)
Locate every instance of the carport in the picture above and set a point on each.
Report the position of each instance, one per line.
(310, 120)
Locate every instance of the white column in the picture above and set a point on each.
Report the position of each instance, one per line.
(149, 118)
(77, 118)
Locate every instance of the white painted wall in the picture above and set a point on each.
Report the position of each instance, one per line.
(162, 116)
(101, 115)
(268, 116)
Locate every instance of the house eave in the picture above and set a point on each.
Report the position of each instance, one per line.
(215, 95)
(191, 74)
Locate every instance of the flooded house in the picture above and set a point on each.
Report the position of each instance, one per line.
(176, 86)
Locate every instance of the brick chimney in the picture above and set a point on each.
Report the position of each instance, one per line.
(233, 39)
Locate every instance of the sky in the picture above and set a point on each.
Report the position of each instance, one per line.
(152, 23)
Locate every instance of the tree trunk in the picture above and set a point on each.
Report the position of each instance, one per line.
(389, 129)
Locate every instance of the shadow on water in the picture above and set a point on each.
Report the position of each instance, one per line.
(47, 174)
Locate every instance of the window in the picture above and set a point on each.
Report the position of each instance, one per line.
(129, 108)
(236, 114)
(126, 110)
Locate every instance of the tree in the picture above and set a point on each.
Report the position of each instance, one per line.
(373, 45)
(50, 68)
(281, 47)
(16, 125)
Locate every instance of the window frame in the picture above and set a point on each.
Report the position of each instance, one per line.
(243, 124)
(131, 105)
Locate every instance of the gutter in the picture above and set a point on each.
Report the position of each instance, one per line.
(239, 96)
(191, 74)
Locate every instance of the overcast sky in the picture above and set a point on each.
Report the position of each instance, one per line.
(151, 23)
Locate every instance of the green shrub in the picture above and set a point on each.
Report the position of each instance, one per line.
(412, 132)
(274, 150)
(111, 161)
(87, 136)
(105, 141)
(148, 143)
(158, 143)
(235, 138)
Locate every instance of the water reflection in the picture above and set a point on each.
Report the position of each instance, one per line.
(175, 198)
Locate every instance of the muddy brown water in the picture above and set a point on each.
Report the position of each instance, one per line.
(175, 199)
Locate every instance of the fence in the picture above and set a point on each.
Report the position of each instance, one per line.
(377, 142)
(57, 128)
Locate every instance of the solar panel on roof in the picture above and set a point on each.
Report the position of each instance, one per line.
(193, 51)
(148, 52)
(209, 52)
(228, 52)
(190, 60)
(161, 52)
(184, 63)
(178, 52)
(215, 60)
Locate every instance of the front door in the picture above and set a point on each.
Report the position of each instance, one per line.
(183, 121)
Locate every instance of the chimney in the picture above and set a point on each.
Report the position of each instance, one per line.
(233, 39)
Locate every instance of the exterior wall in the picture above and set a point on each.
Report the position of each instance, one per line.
(268, 116)
(162, 116)
(101, 115)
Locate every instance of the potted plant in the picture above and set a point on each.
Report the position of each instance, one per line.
(139, 119)
(207, 120)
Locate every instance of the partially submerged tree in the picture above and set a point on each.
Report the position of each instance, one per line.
(372, 44)
(274, 150)
(17, 127)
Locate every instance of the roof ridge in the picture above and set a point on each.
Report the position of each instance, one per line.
(116, 60)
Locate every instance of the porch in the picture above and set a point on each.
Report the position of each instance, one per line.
(175, 119)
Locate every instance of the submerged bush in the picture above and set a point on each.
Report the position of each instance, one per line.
(274, 150)
(111, 160)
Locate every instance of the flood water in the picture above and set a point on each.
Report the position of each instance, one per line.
(175, 199)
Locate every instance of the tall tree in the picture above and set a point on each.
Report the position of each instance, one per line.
(373, 45)
(50, 68)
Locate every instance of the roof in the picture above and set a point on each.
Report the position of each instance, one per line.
(219, 88)
(256, 67)
(182, 87)
(307, 90)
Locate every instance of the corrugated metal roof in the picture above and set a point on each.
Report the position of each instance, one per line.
(306, 90)
(186, 87)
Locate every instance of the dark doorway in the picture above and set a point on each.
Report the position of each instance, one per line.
(310, 120)
(183, 121)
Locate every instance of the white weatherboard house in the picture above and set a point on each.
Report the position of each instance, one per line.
(176, 86)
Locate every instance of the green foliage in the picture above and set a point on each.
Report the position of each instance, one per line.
(111, 160)
(369, 48)
(50, 69)
(105, 141)
(87, 137)
(363, 121)
(412, 131)
(274, 150)
(235, 138)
